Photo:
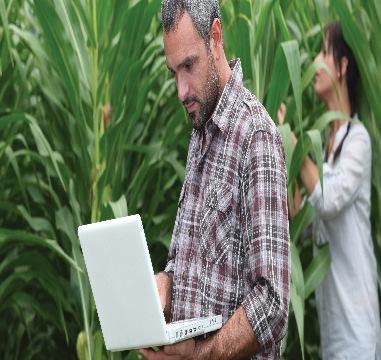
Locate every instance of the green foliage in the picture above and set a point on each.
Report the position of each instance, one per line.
(85, 126)
(91, 130)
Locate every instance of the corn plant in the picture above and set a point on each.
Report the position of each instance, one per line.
(85, 125)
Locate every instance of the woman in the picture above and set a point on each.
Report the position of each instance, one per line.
(347, 300)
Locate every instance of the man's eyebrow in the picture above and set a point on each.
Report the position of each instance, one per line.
(188, 60)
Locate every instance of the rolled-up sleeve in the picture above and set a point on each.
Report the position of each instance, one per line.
(170, 267)
(341, 183)
(266, 235)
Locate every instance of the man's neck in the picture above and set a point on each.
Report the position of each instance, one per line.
(226, 72)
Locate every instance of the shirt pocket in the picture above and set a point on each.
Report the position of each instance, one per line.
(216, 223)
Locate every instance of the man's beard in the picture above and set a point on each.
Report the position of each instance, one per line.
(210, 97)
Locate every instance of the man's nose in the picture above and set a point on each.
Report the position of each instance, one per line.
(182, 89)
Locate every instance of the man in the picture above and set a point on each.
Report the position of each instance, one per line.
(230, 248)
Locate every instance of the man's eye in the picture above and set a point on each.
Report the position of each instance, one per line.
(188, 66)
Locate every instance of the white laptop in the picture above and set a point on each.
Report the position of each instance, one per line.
(124, 288)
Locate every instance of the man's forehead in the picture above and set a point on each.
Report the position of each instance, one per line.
(182, 34)
(176, 53)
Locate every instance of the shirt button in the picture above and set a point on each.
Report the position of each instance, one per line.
(190, 232)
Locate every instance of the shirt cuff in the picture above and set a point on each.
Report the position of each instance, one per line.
(266, 317)
(170, 267)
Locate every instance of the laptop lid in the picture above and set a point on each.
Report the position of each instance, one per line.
(123, 284)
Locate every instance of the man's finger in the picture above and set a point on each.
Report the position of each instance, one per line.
(155, 355)
(183, 348)
(148, 354)
(171, 349)
(174, 349)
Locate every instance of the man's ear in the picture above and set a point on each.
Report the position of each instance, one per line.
(216, 38)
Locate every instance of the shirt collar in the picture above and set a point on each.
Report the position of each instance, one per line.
(229, 96)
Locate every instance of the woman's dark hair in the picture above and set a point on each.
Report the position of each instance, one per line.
(340, 49)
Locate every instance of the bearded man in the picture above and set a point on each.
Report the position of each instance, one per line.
(229, 253)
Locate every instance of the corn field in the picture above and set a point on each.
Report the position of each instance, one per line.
(91, 129)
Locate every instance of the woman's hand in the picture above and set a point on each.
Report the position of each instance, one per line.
(281, 115)
(294, 204)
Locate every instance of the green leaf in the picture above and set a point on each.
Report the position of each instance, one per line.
(297, 303)
(298, 156)
(309, 75)
(134, 355)
(317, 150)
(82, 346)
(285, 132)
(16, 236)
(324, 120)
(317, 270)
(297, 293)
(301, 221)
(5, 27)
(98, 346)
(44, 147)
(60, 50)
(36, 223)
(119, 207)
(11, 119)
(310, 141)
(297, 276)
(12, 159)
(266, 7)
(76, 40)
(279, 84)
(292, 54)
(281, 21)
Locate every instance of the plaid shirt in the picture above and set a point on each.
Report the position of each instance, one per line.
(230, 244)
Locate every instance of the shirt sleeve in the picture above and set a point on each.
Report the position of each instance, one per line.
(341, 184)
(170, 267)
(266, 234)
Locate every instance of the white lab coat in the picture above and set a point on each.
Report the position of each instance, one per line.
(347, 300)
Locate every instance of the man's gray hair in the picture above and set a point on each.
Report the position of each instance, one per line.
(202, 13)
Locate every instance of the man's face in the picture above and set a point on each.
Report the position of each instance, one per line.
(194, 68)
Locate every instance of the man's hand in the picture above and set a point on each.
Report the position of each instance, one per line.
(184, 350)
